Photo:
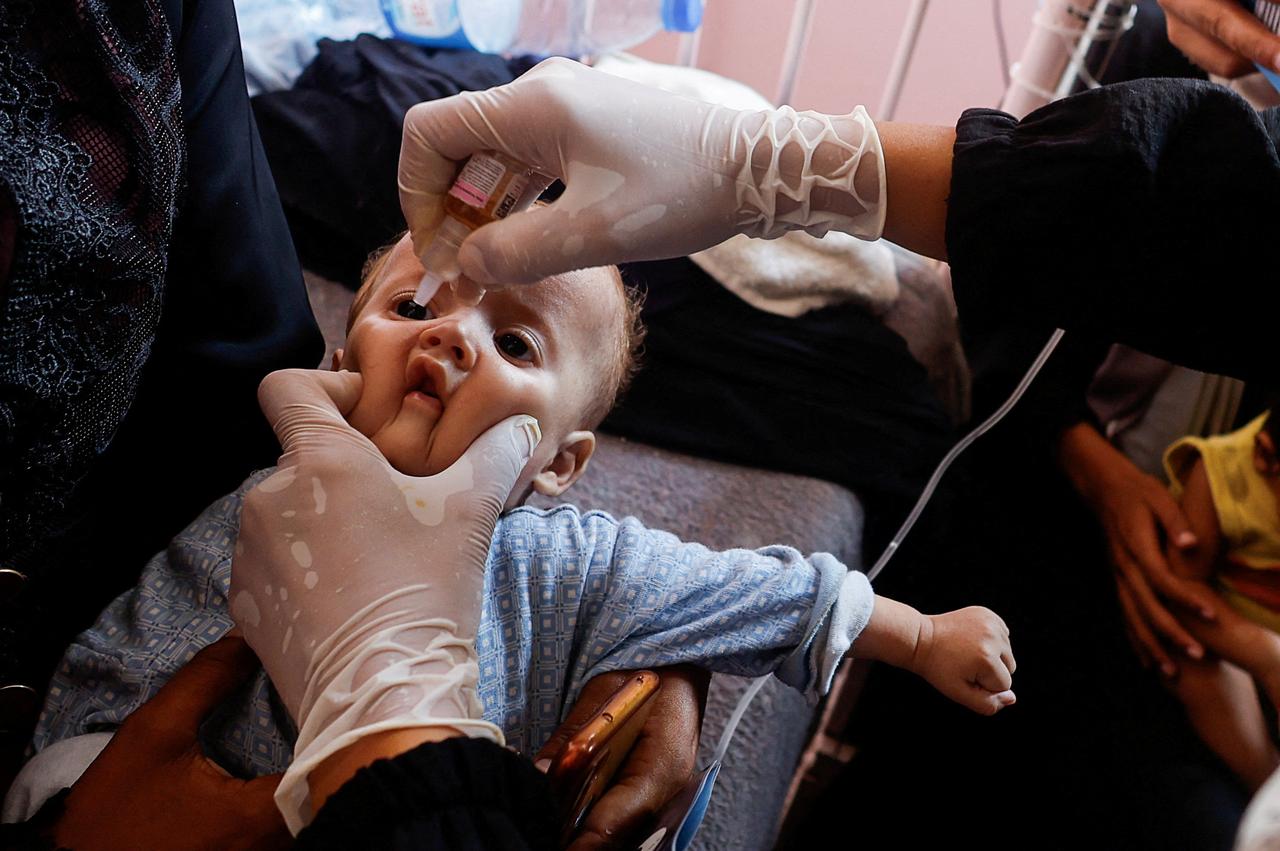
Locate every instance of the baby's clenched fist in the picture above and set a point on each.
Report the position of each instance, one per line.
(966, 655)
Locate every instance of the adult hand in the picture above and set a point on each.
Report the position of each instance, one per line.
(659, 765)
(153, 787)
(1138, 515)
(359, 587)
(1221, 36)
(647, 174)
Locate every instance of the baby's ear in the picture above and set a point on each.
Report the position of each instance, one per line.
(569, 462)
(336, 364)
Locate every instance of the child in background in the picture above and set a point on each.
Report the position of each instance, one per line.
(568, 595)
(1229, 489)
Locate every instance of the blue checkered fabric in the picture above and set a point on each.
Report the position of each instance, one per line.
(568, 596)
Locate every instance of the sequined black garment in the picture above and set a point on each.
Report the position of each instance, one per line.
(91, 151)
(147, 284)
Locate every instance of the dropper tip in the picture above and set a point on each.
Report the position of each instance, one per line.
(417, 308)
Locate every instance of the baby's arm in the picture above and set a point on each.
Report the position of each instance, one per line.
(750, 613)
(1230, 635)
(964, 654)
(1196, 503)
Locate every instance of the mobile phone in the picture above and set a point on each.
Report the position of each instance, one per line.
(1268, 11)
(581, 771)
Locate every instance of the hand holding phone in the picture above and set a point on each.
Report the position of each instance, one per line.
(582, 770)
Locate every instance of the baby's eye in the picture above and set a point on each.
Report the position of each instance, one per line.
(514, 346)
(410, 309)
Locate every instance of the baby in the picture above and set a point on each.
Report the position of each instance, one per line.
(568, 595)
(1229, 489)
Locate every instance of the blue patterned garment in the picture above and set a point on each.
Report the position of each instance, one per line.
(567, 596)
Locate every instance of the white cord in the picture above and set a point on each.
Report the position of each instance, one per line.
(932, 485)
(738, 711)
(964, 444)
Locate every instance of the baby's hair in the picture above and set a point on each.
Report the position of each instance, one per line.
(369, 273)
(624, 359)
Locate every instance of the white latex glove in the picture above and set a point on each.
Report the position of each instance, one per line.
(1260, 827)
(360, 588)
(647, 174)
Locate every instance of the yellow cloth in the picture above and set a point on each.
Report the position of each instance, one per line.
(1245, 503)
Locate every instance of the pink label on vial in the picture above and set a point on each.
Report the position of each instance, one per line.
(480, 176)
(468, 194)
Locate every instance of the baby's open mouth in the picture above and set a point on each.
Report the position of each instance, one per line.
(427, 378)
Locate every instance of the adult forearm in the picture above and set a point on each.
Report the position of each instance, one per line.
(917, 160)
(1086, 457)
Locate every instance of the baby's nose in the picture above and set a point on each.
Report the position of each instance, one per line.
(451, 339)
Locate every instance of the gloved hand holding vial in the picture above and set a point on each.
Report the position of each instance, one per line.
(647, 174)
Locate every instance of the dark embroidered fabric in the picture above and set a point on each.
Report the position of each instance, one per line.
(91, 159)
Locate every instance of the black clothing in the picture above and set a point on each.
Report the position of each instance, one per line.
(1136, 213)
(333, 140)
(1143, 213)
(91, 164)
(999, 350)
(91, 159)
(832, 393)
(235, 309)
(1095, 754)
(151, 289)
(459, 794)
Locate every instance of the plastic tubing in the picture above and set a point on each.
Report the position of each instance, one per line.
(961, 446)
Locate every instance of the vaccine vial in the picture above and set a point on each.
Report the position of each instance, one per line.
(491, 186)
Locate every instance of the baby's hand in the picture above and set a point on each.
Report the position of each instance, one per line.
(966, 655)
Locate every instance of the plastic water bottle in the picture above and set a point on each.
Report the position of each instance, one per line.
(571, 27)
(279, 36)
(431, 22)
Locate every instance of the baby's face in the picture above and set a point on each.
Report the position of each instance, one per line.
(433, 385)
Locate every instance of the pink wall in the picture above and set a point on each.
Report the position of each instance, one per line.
(851, 47)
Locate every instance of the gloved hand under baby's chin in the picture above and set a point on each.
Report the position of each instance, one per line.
(360, 587)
